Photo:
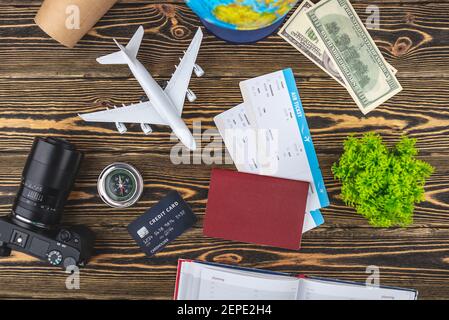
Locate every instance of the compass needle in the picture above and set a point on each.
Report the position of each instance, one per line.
(120, 185)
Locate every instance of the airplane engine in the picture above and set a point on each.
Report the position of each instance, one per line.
(144, 98)
(146, 128)
(191, 96)
(121, 128)
(199, 72)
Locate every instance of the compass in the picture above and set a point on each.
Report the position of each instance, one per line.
(120, 185)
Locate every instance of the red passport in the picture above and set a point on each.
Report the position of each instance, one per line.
(257, 209)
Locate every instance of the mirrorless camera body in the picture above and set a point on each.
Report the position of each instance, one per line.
(63, 247)
(33, 227)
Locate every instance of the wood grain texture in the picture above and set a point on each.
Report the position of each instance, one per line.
(411, 37)
(31, 108)
(43, 87)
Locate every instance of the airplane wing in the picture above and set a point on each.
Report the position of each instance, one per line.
(142, 112)
(179, 82)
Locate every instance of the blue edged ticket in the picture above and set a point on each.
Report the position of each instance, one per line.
(268, 134)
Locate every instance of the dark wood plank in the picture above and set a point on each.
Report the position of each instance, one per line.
(50, 107)
(43, 86)
(412, 38)
(408, 258)
(192, 181)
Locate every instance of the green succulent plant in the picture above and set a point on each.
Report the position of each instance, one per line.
(382, 184)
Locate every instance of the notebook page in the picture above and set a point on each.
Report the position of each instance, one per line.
(313, 289)
(249, 273)
(222, 285)
(189, 281)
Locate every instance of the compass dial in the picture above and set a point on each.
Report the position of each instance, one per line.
(120, 185)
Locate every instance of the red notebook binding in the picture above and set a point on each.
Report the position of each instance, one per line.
(257, 209)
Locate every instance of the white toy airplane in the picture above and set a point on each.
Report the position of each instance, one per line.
(165, 106)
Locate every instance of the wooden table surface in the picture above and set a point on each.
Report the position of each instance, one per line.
(43, 86)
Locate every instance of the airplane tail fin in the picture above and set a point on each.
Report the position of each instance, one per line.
(133, 45)
(132, 48)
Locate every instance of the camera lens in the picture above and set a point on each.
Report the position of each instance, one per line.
(47, 179)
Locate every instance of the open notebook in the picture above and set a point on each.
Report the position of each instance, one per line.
(208, 281)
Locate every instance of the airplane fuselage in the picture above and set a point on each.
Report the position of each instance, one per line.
(161, 102)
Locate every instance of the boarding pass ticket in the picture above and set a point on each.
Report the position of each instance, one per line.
(268, 134)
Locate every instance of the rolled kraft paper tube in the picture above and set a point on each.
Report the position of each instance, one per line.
(67, 21)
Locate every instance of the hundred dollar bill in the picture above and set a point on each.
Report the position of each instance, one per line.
(365, 72)
(299, 33)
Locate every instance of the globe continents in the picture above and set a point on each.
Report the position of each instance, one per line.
(242, 14)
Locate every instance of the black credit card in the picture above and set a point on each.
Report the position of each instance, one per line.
(162, 223)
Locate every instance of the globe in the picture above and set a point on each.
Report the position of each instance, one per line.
(241, 14)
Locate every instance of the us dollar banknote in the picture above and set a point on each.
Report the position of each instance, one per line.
(299, 33)
(366, 74)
